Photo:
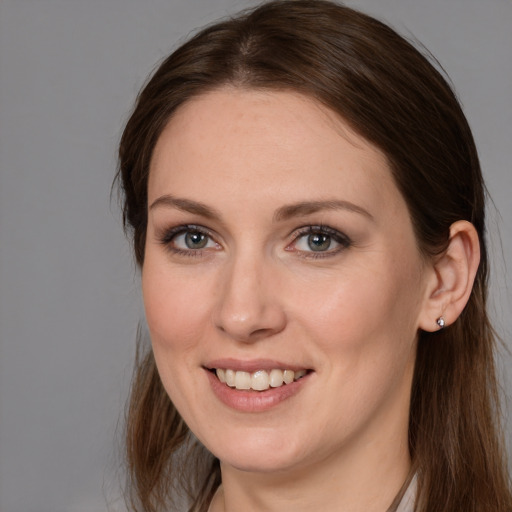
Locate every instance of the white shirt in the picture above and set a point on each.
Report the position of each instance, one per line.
(407, 503)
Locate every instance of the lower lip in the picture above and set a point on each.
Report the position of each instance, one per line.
(254, 401)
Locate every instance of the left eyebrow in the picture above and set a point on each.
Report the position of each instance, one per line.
(186, 205)
(308, 207)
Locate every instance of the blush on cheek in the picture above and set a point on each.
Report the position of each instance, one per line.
(173, 318)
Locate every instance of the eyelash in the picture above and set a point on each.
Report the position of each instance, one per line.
(167, 238)
(171, 234)
(343, 240)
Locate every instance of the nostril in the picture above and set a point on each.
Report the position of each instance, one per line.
(246, 308)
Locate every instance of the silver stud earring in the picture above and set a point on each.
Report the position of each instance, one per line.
(440, 322)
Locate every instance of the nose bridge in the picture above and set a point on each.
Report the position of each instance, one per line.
(248, 306)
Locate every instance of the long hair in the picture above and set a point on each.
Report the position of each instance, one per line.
(391, 95)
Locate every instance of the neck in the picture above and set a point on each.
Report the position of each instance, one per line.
(359, 484)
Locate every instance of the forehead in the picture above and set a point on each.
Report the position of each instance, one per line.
(251, 143)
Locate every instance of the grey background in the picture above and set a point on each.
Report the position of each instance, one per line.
(69, 299)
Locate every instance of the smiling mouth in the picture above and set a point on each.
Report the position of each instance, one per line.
(260, 380)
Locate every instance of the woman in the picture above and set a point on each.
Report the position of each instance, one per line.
(307, 211)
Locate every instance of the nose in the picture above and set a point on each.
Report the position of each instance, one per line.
(248, 306)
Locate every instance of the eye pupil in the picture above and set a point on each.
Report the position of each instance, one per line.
(319, 242)
(195, 240)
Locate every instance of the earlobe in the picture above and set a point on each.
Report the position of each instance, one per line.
(452, 279)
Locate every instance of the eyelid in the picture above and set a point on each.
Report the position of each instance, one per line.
(339, 237)
(167, 235)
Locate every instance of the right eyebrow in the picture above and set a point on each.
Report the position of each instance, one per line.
(186, 205)
(304, 208)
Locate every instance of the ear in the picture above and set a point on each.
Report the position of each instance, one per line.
(451, 278)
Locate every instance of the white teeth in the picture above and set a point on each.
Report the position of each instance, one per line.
(288, 376)
(230, 378)
(260, 380)
(242, 380)
(276, 378)
(299, 374)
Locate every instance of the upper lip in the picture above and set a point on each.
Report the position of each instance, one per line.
(252, 365)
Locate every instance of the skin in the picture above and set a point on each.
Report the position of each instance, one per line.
(350, 314)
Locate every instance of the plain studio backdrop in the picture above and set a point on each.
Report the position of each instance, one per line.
(69, 297)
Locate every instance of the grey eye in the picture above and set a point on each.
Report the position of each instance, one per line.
(319, 242)
(195, 240)
(191, 240)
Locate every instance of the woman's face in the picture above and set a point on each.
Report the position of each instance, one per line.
(280, 250)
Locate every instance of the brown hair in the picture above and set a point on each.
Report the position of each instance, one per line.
(392, 96)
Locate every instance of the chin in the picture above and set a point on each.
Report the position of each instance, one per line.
(259, 453)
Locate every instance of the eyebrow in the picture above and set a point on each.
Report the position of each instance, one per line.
(308, 207)
(286, 212)
(186, 205)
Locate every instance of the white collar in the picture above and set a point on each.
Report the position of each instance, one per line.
(407, 503)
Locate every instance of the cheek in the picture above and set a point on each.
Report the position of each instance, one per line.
(174, 310)
(367, 328)
(364, 298)
(176, 324)
(368, 316)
